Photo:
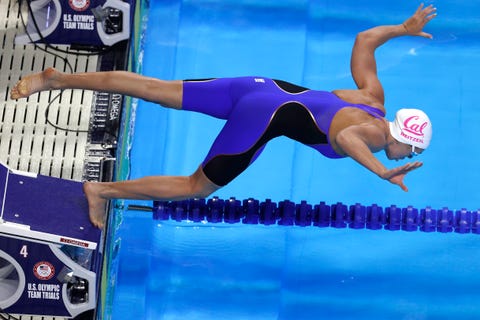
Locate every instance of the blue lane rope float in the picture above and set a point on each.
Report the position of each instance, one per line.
(338, 215)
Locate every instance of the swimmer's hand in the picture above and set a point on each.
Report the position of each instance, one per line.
(420, 18)
(396, 175)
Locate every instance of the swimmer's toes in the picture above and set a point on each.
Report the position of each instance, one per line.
(96, 221)
(22, 89)
(16, 92)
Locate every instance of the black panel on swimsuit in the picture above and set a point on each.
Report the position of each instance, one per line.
(199, 80)
(291, 120)
(290, 87)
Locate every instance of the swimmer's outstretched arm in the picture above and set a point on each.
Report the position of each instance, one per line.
(358, 141)
(363, 65)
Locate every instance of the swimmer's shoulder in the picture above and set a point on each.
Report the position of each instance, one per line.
(359, 97)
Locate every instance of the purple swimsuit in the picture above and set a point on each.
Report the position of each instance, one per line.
(257, 110)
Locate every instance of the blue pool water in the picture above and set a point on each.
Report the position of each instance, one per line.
(170, 270)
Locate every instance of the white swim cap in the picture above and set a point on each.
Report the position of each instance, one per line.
(413, 127)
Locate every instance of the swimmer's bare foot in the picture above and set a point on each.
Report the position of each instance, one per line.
(36, 82)
(96, 204)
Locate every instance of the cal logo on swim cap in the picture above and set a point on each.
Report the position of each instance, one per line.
(413, 127)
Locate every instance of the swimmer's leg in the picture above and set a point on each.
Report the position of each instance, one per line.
(242, 138)
(147, 188)
(215, 97)
(166, 93)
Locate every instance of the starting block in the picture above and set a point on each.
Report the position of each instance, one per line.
(50, 253)
(80, 22)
